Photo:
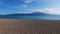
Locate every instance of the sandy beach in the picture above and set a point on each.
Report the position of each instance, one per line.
(13, 26)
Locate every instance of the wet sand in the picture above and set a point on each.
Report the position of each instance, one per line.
(10, 26)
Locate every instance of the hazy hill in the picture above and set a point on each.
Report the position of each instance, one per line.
(33, 15)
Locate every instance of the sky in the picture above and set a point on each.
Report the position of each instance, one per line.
(25, 6)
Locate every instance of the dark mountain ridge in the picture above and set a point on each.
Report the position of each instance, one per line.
(20, 15)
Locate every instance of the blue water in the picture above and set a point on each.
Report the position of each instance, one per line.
(45, 17)
(39, 17)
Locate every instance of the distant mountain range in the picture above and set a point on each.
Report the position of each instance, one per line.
(27, 14)
(20, 15)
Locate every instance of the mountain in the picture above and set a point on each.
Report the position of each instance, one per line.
(27, 14)
(33, 15)
(18, 15)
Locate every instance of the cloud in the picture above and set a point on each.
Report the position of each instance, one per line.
(26, 2)
(48, 11)
(24, 6)
(29, 1)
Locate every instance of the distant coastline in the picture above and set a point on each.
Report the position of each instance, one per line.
(31, 16)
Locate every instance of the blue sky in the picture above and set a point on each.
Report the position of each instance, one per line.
(23, 6)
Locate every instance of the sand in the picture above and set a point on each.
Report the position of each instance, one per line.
(13, 26)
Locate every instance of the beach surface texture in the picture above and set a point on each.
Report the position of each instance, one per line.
(12, 26)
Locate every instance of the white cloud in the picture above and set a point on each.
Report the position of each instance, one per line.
(49, 11)
(29, 1)
(24, 6)
(38, 1)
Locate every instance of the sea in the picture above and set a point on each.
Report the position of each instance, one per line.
(34, 17)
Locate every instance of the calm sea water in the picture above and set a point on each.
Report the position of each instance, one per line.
(45, 17)
(39, 17)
